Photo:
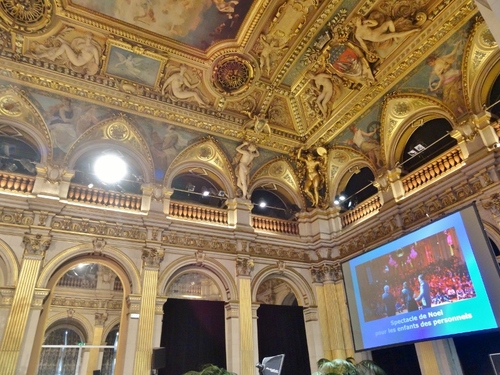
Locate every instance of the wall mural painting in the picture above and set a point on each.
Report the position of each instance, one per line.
(66, 119)
(199, 23)
(363, 136)
(166, 141)
(441, 76)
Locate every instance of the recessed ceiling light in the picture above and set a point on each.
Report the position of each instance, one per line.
(110, 168)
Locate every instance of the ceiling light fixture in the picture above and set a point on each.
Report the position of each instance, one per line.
(110, 168)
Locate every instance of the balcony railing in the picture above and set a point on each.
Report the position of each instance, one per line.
(362, 210)
(275, 225)
(84, 194)
(433, 170)
(199, 213)
(15, 182)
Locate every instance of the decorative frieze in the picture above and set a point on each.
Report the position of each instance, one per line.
(327, 272)
(86, 303)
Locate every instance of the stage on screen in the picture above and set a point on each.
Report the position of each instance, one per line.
(432, 283)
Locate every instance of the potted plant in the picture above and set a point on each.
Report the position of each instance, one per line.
(348, 367)
(210, 370)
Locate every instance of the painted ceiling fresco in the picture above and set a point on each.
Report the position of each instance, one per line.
(198, 23)
(281, 74)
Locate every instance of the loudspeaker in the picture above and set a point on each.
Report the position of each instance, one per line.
(159, 359)
(96, 372)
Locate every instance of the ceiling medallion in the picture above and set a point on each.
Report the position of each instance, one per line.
(232, 75)
(24, 15)
(118, 131)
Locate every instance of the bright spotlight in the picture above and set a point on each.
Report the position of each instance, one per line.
(110, 168)
(206, 193)
(262, 204)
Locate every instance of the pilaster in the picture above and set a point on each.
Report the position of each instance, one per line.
(35, 246)
(244, 268)
(93, 362)
(151, 257)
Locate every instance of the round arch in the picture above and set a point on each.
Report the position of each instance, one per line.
(113, 258)
(300, 287)
(343, 162)
(279, 175)
(119, 134)
(80, 322)
(210, 267)
(112, 323)
(26, 119)
(401, 115)
(204, 158)
(11, 264)
(492, 232)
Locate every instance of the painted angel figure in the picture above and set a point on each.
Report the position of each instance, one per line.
(130, 64)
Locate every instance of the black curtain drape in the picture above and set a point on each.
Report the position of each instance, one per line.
(474, 352)
(398, 360)
(282, 331)
(193, 334)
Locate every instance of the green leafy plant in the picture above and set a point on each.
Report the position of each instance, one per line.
(210, 370)
(348, 367)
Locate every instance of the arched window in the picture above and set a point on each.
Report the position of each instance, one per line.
(198, 189)
(271, 203)
(358, 188)
(60, 360)
(109, 354)
(17, 155)
(426, 142)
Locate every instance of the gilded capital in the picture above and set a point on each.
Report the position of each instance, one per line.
(152, 257)
(98, 245)
(244, 266)
(317, 275)
(36, 244)
(100, 318)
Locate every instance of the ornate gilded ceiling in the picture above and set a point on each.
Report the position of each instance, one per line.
(282, 74)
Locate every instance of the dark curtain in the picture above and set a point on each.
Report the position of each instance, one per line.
(398, 360)
(282, 331)
(193, 334)
(474, 352)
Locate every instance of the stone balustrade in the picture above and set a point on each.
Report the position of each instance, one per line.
(275, 225)
(362, 210)
(84, 194)
(188, 211)
(15, 182)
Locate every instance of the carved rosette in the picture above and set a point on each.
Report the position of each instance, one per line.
(36, 244)
(152, 257)
(28, 16)
(232, 75)
(244, 267)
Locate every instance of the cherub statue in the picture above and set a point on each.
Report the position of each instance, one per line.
(270, 46)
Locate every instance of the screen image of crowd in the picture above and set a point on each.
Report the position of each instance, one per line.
(423, 274)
